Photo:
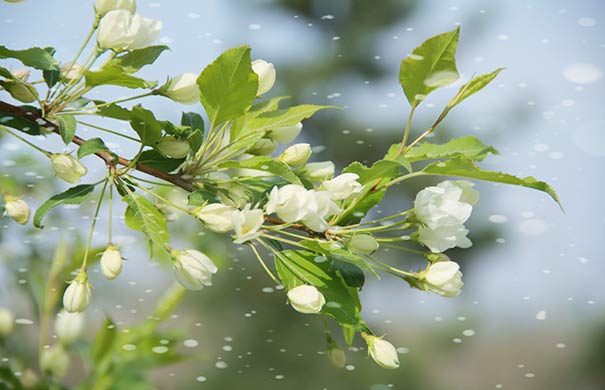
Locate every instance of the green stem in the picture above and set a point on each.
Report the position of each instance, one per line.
(408, 125)
(403, 178)
(169, 203)
(263, 264)
(110, 223)
(107, 130)
(284, 240)
(47, 153)
(92, 226)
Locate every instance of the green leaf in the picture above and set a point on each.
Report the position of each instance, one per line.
(468, 146)
(238, 126)
(35, 57)
(462, 166)
(155, 160)
(228, 85)
(201, 197)
(67, 127)
(336, 252)
(381, 169)
(115, 75)
(8, 379)
(351, 274)
(94, 145)
(74, 195)
(51, 77)
(143, 216)
(267, 164)
(475, 85)
(282, 118)
(132, 61)
(431, 65)
(192, 120)
(296, 268)
(19, 123)
(141, 120)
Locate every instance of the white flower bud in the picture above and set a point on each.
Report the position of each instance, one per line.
(183, 89)
(17, 209)
(78, 295)
(55, 361)
(71, 71)
(120, 30)
(444, 278)
(383, 352)
(246, 223)
(287, 134)
(7, 322)
(337, 356)
(172, 147)
(193, 269)
(266, 75)
(319, 171)
(216, 217)
(306, 299)
(69, 326)
(296, 155)
(67, 167)
(263, 147)
(343, 186)
(104, 6)
(111, 262)
(363, 244)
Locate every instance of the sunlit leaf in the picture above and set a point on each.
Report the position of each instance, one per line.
(74, 195)
(143, 216)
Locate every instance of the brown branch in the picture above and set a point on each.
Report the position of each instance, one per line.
(36, 117)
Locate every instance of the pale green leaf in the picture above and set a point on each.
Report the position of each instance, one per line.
(475, 85)
(431, 65)
(74, 195)
(67, 127)
(115, 75)
(94, 145)
(468, 146)
(144, 216)
(266, 164)
(132, 61)
(281, 118)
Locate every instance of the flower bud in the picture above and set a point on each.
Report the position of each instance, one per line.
(306, 299)
(7, 322)
(20, 90)
(263, 147)
(104, 6)
(54, 361)
(266, 75)
(111, 262)
(383, 352)
(69, 326)
(192, 269)
(363, 244)
(173, 148)
(71, 71)
(319, 171)
(78, 294)
(296, 155)
(337, 356)
(67, 167)
(21, 74)
(444, 278)
(216, 217)
(120, 30)
(183, 89)
(17, 209)
(343, 186)
(287, 134)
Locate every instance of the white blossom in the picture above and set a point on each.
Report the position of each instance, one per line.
(289, 202)
(216, 217)
(17, 209)
(306, 299)
(450, 202)
(71, 71)
(444, 278)
(263, 147)
(246, 223)
(193, 269)
(266, 75)
(444, 237)
(343, 186)
(183, 89)
(7, 322)
(286, 134)
(54, 360)
(104, 6)
(67, 167)
(383, 352)
(319, 171)
(120, 30)
(320, 206)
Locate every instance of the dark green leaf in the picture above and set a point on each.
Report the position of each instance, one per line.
(132, 61)
(142, 215)
(115, 75)
(51, 77)
(8, 379)
(67, 127)
(155, 160)
(35, 57)
(74, 195)
(468, 146)
(462, 166)
(431, 65)
(228, 85)
(351, 274)
(16, 122)
(193, 120)
(94, 145)
(141, 120)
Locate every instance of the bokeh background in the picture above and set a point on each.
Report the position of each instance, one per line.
(532, 313)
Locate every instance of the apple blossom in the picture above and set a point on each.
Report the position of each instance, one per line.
(78, 294)
(363, 244)
(263, 147)
(306, 299)
(192, 268)
(183, 89)
(343, 185)
(450, 202)
(266, 75)
(319, 171)
(444, 278)
(69, 326)
(71, 71)
(67, 167)
(383, 352)
(296, 155)
(111, 262)
(17, 209)
(320, 206)
(172, 147)
(444, 237)
(120, 30)
(289, 202)
(216, 217)
(246, 223)
(286, 134)
(104, 6)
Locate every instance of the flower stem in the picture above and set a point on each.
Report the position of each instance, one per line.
(92, 226)
(263, 264)
(47, 153)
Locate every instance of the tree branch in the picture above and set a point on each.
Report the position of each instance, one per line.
(36, 116)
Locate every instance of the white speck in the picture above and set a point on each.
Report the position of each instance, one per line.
(327, 17)
(457, 340)
(502, 37)
(221, 364)
(403, 350)
(349, 367)
(23, 321)
(193, 15)
(568, 103)
(541, 147)
(191, 343)
(533, 227)
(561, 345)
(530, 375)
(201, 379)
(255, 27)
(267, 290)
(586, 22)
(497, 218)
(541, 315)
(582, 73)
(160, 349)
(468, 332)
(582, 260)
(556, 155)
(129, 347)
